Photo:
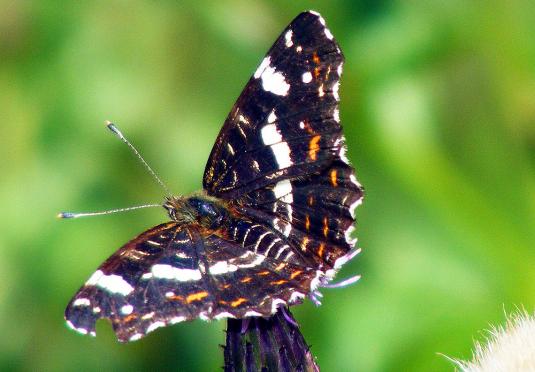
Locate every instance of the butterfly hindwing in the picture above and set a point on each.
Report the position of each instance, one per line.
(315, 213)
(175, 273)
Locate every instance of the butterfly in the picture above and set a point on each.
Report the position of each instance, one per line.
(273, 221)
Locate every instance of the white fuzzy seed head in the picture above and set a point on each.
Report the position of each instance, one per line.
(509, 348)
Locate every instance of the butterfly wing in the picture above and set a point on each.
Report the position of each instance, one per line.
(285, 122)
(280, 163)
(174, 273)
(281, 152)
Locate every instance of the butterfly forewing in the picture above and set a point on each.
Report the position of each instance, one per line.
(281, 151)
(286, 121)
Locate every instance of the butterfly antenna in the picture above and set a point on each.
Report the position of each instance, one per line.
(119, 134)
(86, 214)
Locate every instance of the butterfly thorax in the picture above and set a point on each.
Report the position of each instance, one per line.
(204, 210)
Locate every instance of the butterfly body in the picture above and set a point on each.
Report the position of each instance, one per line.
(273, 222)
(201, 209)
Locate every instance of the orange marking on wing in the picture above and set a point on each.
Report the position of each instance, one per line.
(279, 282)
(304, 243)
(295, 273)
(325, 226)
(175, 297)
(313, 147)
(280, 266)
(315, 58)
(334, 179)
(225, 286)
(310, 200)
(129, 317)
(307, 222)
(262, 273)
(316, 61)
(321, 249)
(308, 128)
(238, 302)
(246, 280)
(196, 296)
(222, 302)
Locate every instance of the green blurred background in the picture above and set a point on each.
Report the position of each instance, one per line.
(438, 103)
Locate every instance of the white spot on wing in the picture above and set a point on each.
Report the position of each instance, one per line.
(275, 304)
(316, 281)
(154, 326)
(127, 309)
(283, 191)
(339, 69)
(148, 316)
(111, 283)
(296, 296)
(353, 179)
(162, 271)
(307, 77)
(177, 319)
(272, 117)
(146, 276)
(281, 150)
(272, 81)
(257, 261)
(336, 115)
(224, 314)
(270, 134)
(93, 280)
(81, 330)
(282, 154)
(252, 313)
(222, 267)
(350, 240)
(135, 337)
(328, 32)
(81, 302)
(230, 149)
(336, 87)
(288, 38)
(354, 206)
(70, 325)
(265, 63)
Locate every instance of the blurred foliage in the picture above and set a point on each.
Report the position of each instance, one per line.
(438, 103)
